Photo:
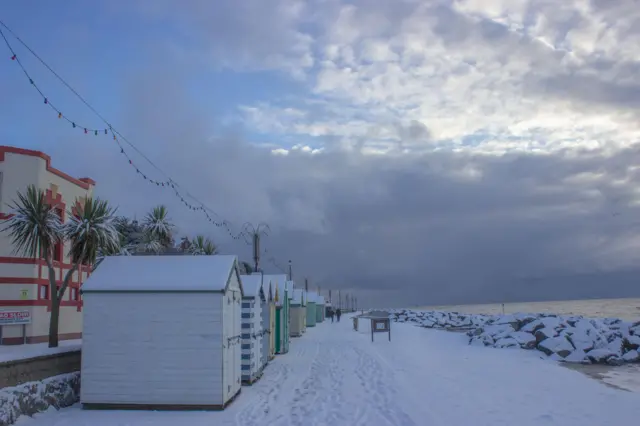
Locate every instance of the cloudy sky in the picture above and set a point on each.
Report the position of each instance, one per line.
(412, 151)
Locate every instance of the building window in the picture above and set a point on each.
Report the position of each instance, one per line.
(44, 292)
(74, 294)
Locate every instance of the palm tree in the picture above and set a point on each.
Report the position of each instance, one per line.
(157, 227)
(245, 267)
(149, 243)
(35, 229)
(201, 245)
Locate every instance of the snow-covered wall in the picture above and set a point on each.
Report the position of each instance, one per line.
(37, 362)
(35, 397)
(564, 338)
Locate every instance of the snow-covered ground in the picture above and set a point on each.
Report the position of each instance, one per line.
(335, 376)
(10, 353)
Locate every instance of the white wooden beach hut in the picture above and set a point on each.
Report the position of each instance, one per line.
(319, 309)
(162, 332)
(271, 301)
(298, 313)
(267, 320)
(253, 303)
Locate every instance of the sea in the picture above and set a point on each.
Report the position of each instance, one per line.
(626, 309)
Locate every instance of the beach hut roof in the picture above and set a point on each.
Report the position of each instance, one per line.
(267, 287)
(311, 297)
(278, 284)
(297, 296)
(252, 285)
(163, 274)
(320, 300)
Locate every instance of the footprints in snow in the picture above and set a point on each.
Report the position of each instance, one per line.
(328, 393)
(269, 388)
(378, 386)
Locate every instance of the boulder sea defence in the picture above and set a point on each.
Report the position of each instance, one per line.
(574, 339)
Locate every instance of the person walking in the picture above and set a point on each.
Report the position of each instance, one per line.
(331, 314)
(338, 313)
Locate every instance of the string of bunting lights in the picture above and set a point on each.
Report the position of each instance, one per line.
(272, 260)
(109, 130)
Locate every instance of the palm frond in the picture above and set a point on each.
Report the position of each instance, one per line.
(92, 231)
(149, 243)
(157, 221)
(35, 227)
(200, 245)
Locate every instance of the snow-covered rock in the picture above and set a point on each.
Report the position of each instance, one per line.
(580, 339)
(631, 356)
(556, 345)
(577, 356)
(632, 342)
(525, 340)
(34, 397)
(568, 338)
(601, 355)
(482, 340)
(506, 342)
(545, 333)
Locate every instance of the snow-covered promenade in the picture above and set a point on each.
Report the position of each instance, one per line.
(423, 377)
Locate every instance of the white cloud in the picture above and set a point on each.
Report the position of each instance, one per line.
(516, 75)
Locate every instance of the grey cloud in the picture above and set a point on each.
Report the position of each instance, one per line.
(415, 224)
(590, 89)
(440, 227)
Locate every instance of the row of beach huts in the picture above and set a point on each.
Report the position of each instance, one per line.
(184, 332)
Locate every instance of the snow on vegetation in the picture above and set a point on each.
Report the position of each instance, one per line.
(36, 397)
(573, 339)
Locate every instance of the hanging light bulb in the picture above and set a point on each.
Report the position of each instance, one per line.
(13, 58)
(59, 115)
(85, 131)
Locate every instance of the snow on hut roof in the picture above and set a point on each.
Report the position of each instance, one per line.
(297, 296)
(311, 297)
(277, 283)
(269, 291)
(282, 283)
(320, 300)
(252, 284)
(291, 287)
(162, 273)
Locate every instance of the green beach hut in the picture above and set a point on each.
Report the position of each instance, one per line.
(311, 309)
(319, 309)
(282, 303)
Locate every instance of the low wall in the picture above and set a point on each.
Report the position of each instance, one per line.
(36, 397)
(13, 373)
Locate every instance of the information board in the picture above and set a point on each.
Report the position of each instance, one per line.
(380, 325)
(15, 317)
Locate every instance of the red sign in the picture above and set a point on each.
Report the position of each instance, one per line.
(15, 317)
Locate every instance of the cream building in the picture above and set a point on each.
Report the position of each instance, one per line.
(25, 302)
